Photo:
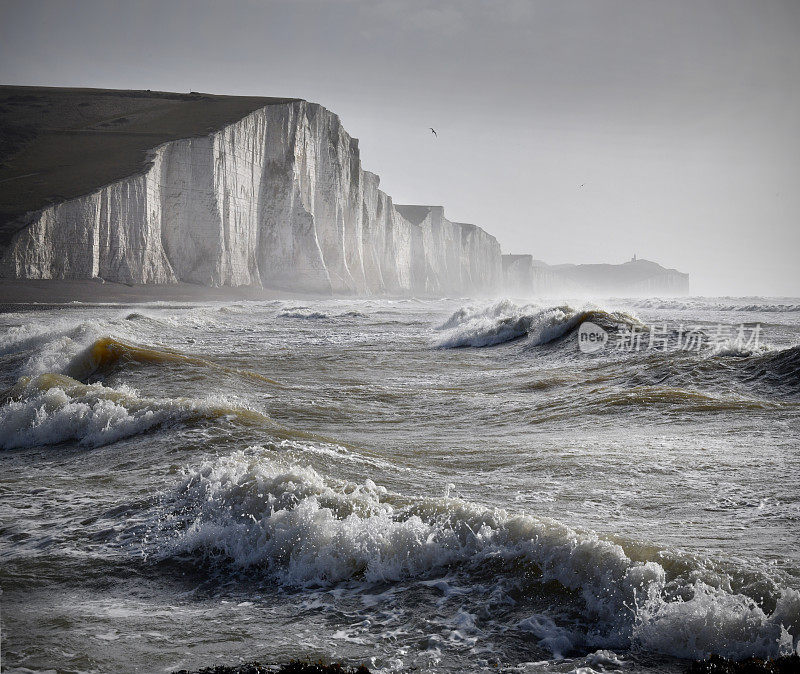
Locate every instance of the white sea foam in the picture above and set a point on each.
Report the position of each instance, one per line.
(334, 451)
(51, 409)
(765, 305)
(305, 315)
(469, 313)
(558, 640)
(249, 511)
(505, 321)
(604, 658)
(45, 347)
(767, 308)
(739, 347)
(57, 346)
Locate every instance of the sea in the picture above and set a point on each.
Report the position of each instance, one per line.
(449, 485)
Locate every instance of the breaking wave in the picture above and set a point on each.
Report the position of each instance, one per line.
(50, 409)
(506, 321)
(307, 315)
(318, 315)
(108, 353)
(251, 512)
(83, 351)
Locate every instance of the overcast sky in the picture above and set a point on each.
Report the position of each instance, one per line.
(575, 130)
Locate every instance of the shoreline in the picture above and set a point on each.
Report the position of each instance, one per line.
(37, 294)
(15, 294)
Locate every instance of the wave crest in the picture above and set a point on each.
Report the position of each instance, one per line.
(249, 511)
(778, 368)
(506, 321)
(108, 353)
(50, 409)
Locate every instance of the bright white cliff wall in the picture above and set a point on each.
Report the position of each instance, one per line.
(481, 264)
(453, 257)
(277, 199)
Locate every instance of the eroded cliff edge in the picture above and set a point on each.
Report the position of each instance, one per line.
(276, 199)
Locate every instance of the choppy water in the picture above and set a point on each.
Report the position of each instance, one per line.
(444, 485)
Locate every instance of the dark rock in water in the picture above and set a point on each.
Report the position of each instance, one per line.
(288, 668)
(718, 665)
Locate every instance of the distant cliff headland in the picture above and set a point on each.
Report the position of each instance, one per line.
(143, 187)
(635, 277)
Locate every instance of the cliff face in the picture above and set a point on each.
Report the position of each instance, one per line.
(452, 257)
(480, 260)
(159, 187)
(518, 275)
(635, 277)
(276, 199)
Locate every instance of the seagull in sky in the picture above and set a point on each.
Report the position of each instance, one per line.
(433, 131)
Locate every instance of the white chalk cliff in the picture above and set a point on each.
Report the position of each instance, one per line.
(277, 199)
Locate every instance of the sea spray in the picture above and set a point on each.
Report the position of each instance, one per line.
(252, 511)
(505, 321)
(51, 409)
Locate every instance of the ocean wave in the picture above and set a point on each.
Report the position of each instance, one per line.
(67, 347)
(38, 348)
(470, 313)
(676, 398)
(506, 321)
(89, 349)
(51, 408)
(705, 304)
(305, 315)
(252, 512)
(731, 377)
(737, 348)
(108, 353)
(319, 315)
(767, 308)
(779, 368)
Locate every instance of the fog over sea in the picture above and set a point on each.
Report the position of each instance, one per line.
(428, 485)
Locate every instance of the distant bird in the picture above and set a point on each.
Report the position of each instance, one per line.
(581, 185)
(433, 131)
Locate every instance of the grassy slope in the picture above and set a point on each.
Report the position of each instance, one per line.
(57, 144)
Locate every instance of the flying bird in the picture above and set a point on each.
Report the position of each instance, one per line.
(433, 131)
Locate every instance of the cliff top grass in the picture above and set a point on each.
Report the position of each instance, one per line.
(58, 144)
